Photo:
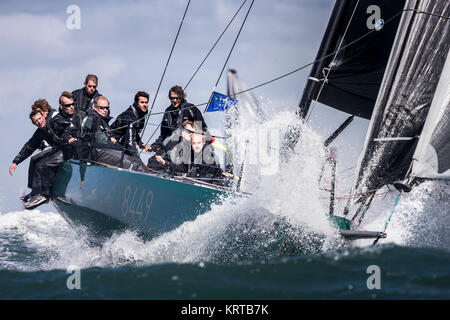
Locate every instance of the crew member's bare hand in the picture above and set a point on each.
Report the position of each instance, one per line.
(72, 140)
(160, 160)
(113, 140)
(12, 168)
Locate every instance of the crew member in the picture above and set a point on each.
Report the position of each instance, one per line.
(204, 164)
(129, 124)
(176, 114)
(84, 97)
(176, 151)
(45, 169)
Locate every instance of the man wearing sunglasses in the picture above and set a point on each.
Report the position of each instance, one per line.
(84, 97)
(62, 126)
(66, 123)
(94, 127)
(98, 141)
(176, 114)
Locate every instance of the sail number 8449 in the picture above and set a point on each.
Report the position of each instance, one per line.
(136, 202)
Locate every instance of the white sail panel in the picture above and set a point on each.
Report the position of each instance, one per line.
(247, 103)
(241, 126)
(432, 156)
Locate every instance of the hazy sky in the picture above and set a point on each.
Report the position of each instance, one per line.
(126, 43)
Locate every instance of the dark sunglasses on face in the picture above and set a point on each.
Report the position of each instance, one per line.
(175, 98)
(103, 108)
(68, 105)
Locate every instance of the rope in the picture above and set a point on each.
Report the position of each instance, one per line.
(217, 41)
(363, 195)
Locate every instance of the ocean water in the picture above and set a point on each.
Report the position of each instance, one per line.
(275, 245)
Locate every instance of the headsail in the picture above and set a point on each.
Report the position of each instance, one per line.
(432, 156)
(350, 80)
(409, 84)
(248, 104)
(246, 114)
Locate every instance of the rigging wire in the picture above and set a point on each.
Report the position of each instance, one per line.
(283, 75)
(167, 63)
(196, 71)
(212, 48)
(302, 67)
(234, 43)
(229, 54)
(389, 218)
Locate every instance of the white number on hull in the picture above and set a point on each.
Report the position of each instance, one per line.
(133, 202)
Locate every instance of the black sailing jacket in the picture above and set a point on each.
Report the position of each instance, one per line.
(95, 128)
(174, 117)
(83, 103)
(126, 128)
(39, 136)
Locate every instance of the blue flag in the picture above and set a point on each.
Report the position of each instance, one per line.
(220, 102)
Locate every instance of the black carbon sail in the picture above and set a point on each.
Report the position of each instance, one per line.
(409, 85)
(391, 77)
(350, 80)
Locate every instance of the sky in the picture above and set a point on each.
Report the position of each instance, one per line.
(127, 43)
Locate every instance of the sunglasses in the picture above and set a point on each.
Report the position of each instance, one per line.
(188, 131)
(175, 98)
(103, 108)
(68, 105)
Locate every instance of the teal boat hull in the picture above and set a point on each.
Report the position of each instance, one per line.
(104, 198)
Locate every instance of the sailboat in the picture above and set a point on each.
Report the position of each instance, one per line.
(380, 60)
(387, 61)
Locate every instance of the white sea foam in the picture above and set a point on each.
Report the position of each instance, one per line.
(421, 217)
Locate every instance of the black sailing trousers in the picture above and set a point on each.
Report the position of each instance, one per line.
(45, 169)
